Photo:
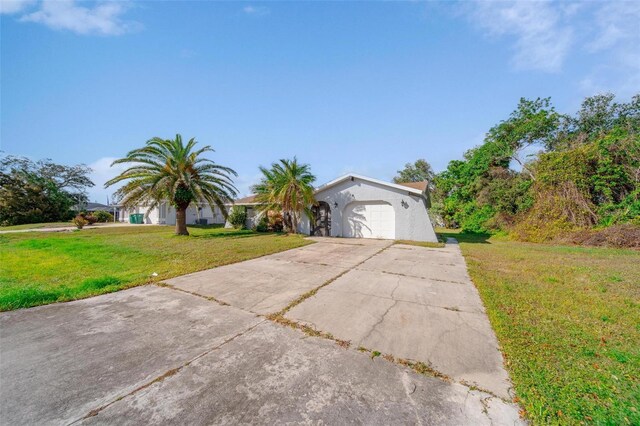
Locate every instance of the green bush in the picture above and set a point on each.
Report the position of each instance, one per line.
(102, 216)
(238, 217)
(88, 217)
(475, 220)
(263, 224)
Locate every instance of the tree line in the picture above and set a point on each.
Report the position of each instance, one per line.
(40, 191)
(540, 173)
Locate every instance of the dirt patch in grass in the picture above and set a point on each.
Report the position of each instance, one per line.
(620, 236)
(567, 319)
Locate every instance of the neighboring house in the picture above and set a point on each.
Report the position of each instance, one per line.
(250, 204)
(94, 207)
(351, 206)
(165, 214)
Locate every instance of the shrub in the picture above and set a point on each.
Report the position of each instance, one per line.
(102, 216)
(276, 224)
(475, 219)
(88, 217)
(263, 224)
(79, 221)
(238, 217)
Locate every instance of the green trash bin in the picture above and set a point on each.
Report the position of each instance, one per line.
(136, 218)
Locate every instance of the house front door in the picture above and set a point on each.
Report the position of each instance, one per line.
(322, 215)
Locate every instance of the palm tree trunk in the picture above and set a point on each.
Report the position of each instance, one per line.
(181, 221)
(294, 223)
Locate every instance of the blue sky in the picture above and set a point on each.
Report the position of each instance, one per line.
(358, 87)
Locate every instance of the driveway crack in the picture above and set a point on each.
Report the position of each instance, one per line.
(395, 302)
(166, 374)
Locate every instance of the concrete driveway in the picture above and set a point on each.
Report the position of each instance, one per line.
(268, 284)
(164, 355)
(415, 303)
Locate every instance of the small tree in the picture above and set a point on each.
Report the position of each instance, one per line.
(419, 171)
(286, 187)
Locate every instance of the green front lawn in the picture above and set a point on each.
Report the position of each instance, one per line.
(39, 268)
(568, 322)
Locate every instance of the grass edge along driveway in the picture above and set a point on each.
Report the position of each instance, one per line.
(568, 322)
(41, 268)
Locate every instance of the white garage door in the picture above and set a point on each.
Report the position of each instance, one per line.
(369, 219)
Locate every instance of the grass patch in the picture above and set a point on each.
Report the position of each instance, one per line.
(40, 268)
(567, 321)
(421, 243)
(36, 226)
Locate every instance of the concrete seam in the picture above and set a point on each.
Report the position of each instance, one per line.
(310, 293)
(209, 298)
(165, 375)
(411, 302)
(410, 276)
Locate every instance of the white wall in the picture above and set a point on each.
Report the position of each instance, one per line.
(154, 215)
(412, 218)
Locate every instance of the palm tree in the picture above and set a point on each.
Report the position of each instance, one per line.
(168, 170)
(287, 187)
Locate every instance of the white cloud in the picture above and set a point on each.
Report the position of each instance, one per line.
(255, 10)
(14, 6)
(543, 35)
(617, 23)
(102, 172)
(615, 38)
(541, 40)
(103, 18)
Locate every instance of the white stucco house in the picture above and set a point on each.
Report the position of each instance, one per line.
(351, 206)
(355, 206)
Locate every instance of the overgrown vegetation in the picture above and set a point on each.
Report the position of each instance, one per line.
(42, 191)
(585, 174)
(40, 268)
(567, 319)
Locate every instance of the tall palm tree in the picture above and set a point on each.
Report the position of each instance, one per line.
(168, 170)
(287, 187)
